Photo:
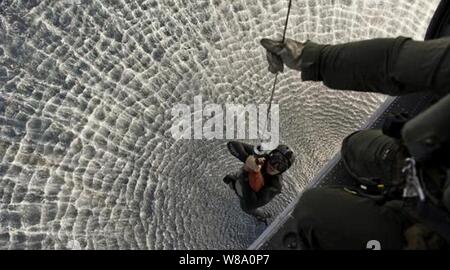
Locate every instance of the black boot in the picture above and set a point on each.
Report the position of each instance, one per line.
(228, 179)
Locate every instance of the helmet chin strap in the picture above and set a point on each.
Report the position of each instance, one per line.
(264, 147)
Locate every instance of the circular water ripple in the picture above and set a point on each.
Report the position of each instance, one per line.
(87, 160)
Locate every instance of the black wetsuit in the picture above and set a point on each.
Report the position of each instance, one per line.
(251, 200)
(331, 218)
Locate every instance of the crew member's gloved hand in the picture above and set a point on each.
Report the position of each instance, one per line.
(394, 123)
(278, 53)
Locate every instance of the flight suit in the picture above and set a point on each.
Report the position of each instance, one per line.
(334, 217)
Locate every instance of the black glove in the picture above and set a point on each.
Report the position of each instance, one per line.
(393, 125)
(278, 53)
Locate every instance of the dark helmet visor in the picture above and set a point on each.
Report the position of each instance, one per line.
(278, 161)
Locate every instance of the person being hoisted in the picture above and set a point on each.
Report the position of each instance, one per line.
(259, 181)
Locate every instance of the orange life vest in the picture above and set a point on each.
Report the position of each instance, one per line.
(256, 181)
